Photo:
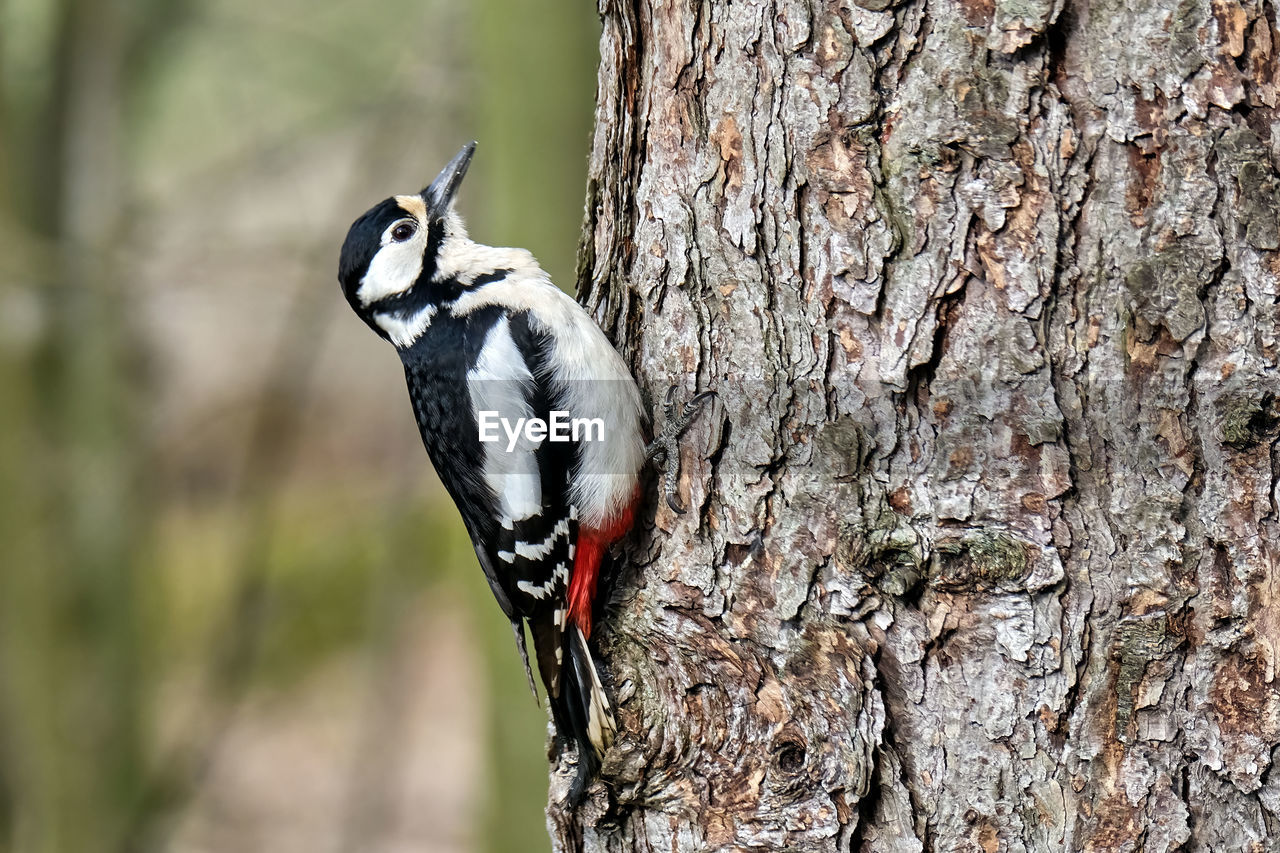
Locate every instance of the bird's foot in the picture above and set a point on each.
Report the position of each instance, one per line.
(665, 447)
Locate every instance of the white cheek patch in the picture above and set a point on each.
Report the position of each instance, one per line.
(396, 266)
(393, 270)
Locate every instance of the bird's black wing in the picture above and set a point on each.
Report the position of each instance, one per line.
(542, 546)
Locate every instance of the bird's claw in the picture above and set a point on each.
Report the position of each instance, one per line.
(666, 444)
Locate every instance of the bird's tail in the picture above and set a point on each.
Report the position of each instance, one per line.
(590, 696)
(580, 708)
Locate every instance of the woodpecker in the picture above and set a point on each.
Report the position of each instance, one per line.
(485, 337)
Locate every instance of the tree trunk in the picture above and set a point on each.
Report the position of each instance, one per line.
(983, 534)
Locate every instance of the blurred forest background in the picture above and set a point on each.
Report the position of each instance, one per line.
(237, 612)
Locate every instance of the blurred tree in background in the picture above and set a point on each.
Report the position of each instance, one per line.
(236, 611)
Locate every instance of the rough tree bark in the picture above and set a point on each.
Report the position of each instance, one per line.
(983, 542)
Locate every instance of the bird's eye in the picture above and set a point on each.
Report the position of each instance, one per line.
(403, 231)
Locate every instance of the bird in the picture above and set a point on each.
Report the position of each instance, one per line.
(486, 339)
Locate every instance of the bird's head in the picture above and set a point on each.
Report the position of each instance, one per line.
(389, 258)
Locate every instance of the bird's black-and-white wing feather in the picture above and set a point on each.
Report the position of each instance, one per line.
(536, 531)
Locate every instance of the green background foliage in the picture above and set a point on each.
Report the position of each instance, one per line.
(237, 612)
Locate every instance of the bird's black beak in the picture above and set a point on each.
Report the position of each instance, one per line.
(439, 194)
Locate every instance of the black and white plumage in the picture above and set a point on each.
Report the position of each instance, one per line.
(483, 329)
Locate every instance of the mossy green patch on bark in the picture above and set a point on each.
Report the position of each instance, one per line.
(979, 561)
(1248, 419)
